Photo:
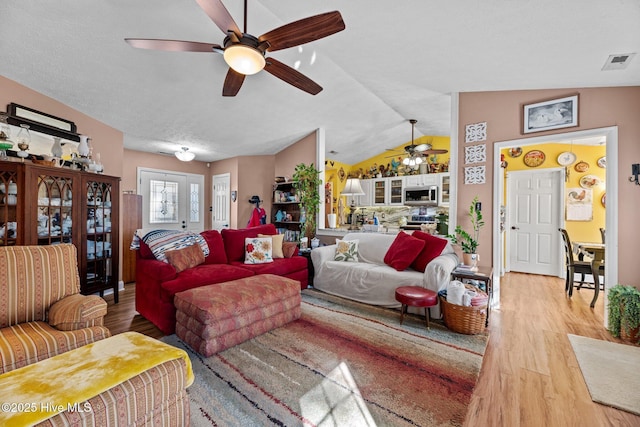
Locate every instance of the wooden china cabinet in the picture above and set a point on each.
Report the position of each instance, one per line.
(42, 205)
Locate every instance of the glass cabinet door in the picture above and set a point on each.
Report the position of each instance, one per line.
(396, 191)
(379, 192)
(54, 209)
(9, 198)
(98, 243)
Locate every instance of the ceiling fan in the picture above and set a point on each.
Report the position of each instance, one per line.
(415, 152)
(245, 53)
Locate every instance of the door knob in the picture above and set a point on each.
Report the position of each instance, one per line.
(513, 227)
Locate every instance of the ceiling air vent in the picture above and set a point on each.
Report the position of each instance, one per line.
(618, 61)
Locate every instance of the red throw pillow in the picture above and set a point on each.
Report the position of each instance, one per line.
(433, 247)
(403, 251)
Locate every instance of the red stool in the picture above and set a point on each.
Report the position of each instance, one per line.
(416, 296)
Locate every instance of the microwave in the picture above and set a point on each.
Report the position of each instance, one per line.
(421, 196)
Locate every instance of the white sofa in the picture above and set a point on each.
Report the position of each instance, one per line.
(370, 280)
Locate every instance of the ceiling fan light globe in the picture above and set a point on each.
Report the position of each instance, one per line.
(418, 160)
(244, 59)
(406, 161)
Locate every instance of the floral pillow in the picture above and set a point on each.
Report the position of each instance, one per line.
(346, 250)
(258, 250)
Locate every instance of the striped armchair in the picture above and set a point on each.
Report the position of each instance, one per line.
(42, 312)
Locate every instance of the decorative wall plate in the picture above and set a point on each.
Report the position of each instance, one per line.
(515, 152)
(604, 200)
(567, 158)
(581, 166)
(602, 162)
(534, 158)
(589, 181)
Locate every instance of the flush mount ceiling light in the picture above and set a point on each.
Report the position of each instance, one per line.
(185, 155)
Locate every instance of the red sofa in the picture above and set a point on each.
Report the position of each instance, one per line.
(157, 282)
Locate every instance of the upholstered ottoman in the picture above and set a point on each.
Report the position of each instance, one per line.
(215, 317)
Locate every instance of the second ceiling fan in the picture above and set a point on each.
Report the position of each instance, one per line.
(415, 152)
(246, 54)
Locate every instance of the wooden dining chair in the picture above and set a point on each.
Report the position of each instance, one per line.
(573, 265)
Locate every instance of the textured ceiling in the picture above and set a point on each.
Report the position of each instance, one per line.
(395, 61)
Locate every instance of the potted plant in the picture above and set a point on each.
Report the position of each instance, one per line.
(469, 241)
(306, 181)
(624, 313)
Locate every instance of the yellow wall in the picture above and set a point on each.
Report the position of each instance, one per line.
(437, 142)
(332, 167)
(332, 174)
(586, 231)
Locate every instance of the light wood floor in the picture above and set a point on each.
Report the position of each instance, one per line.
(529, 377)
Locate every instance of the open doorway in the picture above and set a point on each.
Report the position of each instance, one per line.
(610, 137)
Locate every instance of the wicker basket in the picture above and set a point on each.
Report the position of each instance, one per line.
(464, 320)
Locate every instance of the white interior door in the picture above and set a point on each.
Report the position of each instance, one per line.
(534, 205)
(171, 200)
(221, 201)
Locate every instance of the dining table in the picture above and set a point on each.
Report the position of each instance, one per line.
(596, 252)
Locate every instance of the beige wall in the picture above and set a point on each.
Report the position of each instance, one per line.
(303, 151)
(107, 141)
(598, 108)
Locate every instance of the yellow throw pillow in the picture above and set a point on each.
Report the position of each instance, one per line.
(276, 243)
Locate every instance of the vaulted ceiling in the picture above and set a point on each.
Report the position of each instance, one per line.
(394, 61)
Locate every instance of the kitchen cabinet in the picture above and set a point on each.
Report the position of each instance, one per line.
(367, 198)
(388, 191)
(423, 180)
(444, 189)
(44, 205)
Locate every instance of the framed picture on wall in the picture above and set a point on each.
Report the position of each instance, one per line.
(552, 114)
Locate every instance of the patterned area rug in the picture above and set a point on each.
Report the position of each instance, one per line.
(341, 364)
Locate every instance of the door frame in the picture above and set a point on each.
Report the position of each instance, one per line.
(188, 175)
(226, 175)
(611, 209)
(559, 188)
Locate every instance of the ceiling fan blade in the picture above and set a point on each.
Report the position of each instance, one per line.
(219, 15)
(291, 76)
(174, 45)
(421, 147)
(232, 83)
(303, 31)
(434, 151)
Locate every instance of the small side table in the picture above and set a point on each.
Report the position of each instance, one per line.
(307, 254)
(484, 274)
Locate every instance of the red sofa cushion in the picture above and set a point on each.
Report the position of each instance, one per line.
(403, 251)
(217, 254)
(145, 251)
(279, 266)
(234, 239)
(204, 274)
(433, 247)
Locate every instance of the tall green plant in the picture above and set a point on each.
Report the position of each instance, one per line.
(469, 241)
(306, 181)
(624, 309)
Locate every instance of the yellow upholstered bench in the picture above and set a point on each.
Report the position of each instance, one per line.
(126, 380)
